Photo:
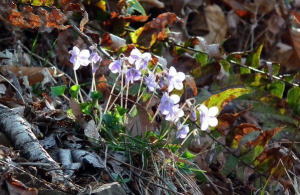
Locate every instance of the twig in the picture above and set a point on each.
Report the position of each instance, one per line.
(52, 65)
(89, 40)
(14, 88)
(241, 65)
(136, 168)
(229, 150)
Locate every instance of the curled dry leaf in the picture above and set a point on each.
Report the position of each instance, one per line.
(154, 3)
(138, 125)
(154, 30)
(217, 24)
(112, 41)
(15, 186)
(31, 17)
(91, 130)
(34, 74)
(84, 21)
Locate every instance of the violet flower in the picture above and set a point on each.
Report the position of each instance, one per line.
(174, 113)
(79, 58)
(140, 60)
(94, 58)
(115, 66)
(132, 75)
(167, 102)
(175, 79)
(208, 116)
(150, 82)
(183, 132)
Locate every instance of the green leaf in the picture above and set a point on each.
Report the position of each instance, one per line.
(277, 88)
(293, 99)
(86, 107)
(201, 58)
(221, 99)
(96, 95)
(134, 5)
(188, 155)
(74, 90)
(252, 60)
(230, 165)
(58, 90)
(251, 156)
(226, 65)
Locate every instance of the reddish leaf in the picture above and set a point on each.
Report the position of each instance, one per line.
(265, 137)
(32, 17)
(17, 187)
(241, 131)
(276, 161)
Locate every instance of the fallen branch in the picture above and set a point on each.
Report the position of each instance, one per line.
(18, 130)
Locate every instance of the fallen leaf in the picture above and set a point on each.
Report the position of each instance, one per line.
(91, 130)
(84, 21)
(15, 186)
(217, 24)
(138, 125)
(154, 30)
(154, 3)
(113, 42)
(265, 137)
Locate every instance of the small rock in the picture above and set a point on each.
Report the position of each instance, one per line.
(109, 189)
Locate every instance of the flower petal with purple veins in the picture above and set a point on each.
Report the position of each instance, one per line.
(132, 75)
(94, 58)
(183, 132)
(79, 58)
(175, 79)
(151, 83)
(174, 114)
(115, 66)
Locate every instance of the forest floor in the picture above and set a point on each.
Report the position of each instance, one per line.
(149, 97)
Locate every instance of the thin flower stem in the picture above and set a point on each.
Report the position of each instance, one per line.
(112, 91)
(127, 92)
(122, 85)
(187, 137)
(156, 113)
(150, 100)
(137, 100)
(76, 80)
(114, 101)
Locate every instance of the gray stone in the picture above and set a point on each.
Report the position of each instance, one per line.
(109, 189)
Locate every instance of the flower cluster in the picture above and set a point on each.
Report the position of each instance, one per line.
(135, 68)
(83, 57)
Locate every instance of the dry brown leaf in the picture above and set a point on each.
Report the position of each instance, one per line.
(34, 74)
(84, 21)
(217, 24)
(265, 137)
(91, 130)
(112, 41)
(140, 124)
(17, 187)
(154, 3)
(32, 17)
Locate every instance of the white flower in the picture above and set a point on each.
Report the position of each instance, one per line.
(140, 60)
(175, 79)
(79, 58)
(115, 66)
(167, 102)
(151, 83)
(183, 132)
(174, 113)
(208, 116)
